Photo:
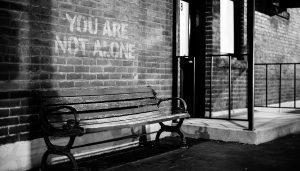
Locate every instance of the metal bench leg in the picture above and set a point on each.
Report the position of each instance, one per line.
(44, 160)
(72, 159)
(59, 150)
(65, 153)
(175, 129)
(143, 137)
(183, 139)
(157, 136)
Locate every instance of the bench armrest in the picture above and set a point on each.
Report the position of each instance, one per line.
(71, 127)
(72, 109)
(174, 98)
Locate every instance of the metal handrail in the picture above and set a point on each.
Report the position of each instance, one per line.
(280, 82)
(230, 56)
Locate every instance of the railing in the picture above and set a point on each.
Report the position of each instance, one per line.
(267, 67)
(229, 56)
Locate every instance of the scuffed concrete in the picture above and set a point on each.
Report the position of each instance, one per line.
(268, 126)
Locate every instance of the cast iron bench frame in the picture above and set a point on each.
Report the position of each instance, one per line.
(83, 111)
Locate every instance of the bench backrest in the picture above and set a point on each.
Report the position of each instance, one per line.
(100, 103)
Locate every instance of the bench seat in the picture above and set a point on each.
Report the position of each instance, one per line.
(129, 121)
(74, 112)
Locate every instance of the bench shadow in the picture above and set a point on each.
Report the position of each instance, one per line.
(121, 157)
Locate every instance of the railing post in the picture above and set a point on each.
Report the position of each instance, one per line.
(229, 88)
(295, 90)
(267, 85)
(210, 87)
(175, 58)
(280, 67)
(250, 37)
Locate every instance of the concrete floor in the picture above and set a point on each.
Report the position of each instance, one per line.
(280, 154)
(269, 124)
(207, 154)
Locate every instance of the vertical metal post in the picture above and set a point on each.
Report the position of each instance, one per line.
(267, 85)
(210, 87)
(175, 59)
(280, 67)
(229, 88)
(295, 77)
(250, 37)
(194, 85)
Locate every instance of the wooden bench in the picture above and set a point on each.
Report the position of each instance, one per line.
(74, 112)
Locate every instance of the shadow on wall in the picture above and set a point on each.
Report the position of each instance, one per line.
(9, 61)
(40, 68)
(265, 7)
(25, 65)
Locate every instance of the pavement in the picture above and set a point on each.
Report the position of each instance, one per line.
(269, 124)
(280, 154)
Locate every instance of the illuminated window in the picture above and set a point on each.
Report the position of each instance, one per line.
(226, 27)
(184, 29)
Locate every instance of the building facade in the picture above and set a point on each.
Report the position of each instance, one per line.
(59, 44)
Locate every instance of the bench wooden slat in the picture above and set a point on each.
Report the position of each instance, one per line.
(110, 105)
(112, 120)
(104, 114)
(132, 123)
(92, 92)
(92, 99)
(117, 113)
(124, 118)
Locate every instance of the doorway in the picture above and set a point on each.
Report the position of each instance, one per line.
(191, 55)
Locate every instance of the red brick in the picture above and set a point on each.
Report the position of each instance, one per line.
(102, 76)
(97, 83)
(66, 84)
(74, 61)
(83, 10)
(121, 83)
(96, 69)
(81, 69)
(73, 76)
(66, 69)
(89, 76)
(69, 7)
(46, 85)
(29, 119)
(9, 103)
(127, 63)
(9, 121)
(82, 84)
(19, 111)
(115, 76)
(109, 83)
(109, 69)
(3, 131)
(4, 113)
(18, 128)
(9, 139)
(57, 76)
(30, 136)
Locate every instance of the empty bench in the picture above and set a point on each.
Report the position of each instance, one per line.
(74, 112)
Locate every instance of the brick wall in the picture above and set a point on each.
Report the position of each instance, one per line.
(58, 44)
(277, 41)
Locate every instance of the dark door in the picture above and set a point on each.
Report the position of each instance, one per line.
(192, 55)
